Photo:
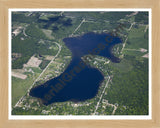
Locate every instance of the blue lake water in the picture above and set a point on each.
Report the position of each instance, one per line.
(79, 81)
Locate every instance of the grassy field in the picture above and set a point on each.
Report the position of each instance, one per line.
(20, 87)
(137, 38)
(48, 33)
(129, 79)
(123, 66)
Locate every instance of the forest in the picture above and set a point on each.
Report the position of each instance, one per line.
(142, 17)
(29, 46)
(21, 18)
(130, 87)
(34, 32)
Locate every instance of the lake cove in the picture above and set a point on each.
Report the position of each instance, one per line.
(79, 81)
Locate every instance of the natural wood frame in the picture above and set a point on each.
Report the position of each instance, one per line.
(4, 8)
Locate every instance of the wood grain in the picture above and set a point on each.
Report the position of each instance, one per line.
(6, 4)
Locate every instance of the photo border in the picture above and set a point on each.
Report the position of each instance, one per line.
(81, 117)
(4, 72)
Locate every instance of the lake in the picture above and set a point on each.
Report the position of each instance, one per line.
(79, 81)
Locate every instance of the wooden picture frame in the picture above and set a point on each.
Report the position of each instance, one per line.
(4, 64)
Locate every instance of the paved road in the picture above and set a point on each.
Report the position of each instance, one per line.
(46, 66)
(115, 107)
(21, 99)
(124, 44)
(24, 33)
(101, 95)
(78, 27)
(146, 28)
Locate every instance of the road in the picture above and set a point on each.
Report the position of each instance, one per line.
(61, 14)
(46, 66)
(131, 26)
(115, 107)
(78, 27)
(146, 28)
(21, 99)
(112, 105)
(101, 95)
(124, 44)
(131, 49)
(24, 33)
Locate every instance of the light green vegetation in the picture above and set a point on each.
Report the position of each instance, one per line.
(93, 26)
(137, 39)
(33, 31)
(123, 66)
(48, 33)
(20, 86)
(127, 90)
(54, 69)
(130, 88)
